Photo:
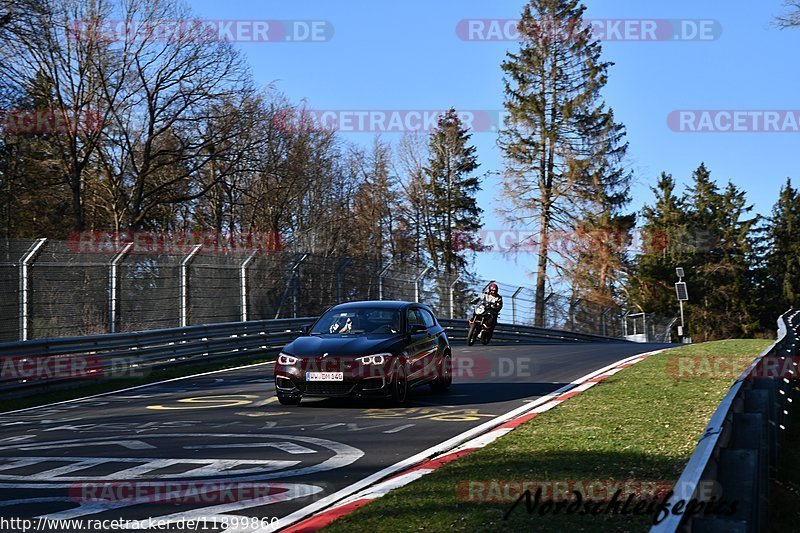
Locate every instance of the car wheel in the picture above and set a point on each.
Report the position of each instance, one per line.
(399, 385)
(473, 332)
(445, 379)
(289, 400)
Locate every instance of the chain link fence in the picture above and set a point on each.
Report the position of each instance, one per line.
(55, 289)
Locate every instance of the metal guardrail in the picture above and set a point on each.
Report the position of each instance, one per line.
(124, 355)
(740, 444)
(74, 359)
(457, 329)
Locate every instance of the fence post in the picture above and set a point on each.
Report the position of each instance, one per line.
(243, 283)
(416, 283)
(339, 270)
(25, 262)
(452, 296)
(113, 277)
(380, 279)
(514, 305)
(291, 284)
(185, 284)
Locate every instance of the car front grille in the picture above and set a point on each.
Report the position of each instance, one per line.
(333, 388)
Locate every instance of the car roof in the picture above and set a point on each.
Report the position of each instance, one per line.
(377, 304)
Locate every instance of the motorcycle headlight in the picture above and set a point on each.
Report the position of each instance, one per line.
(287, 360)
(480, 309)
(377, 359)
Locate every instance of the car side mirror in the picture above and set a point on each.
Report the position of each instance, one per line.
(307, 329)
(417, 329)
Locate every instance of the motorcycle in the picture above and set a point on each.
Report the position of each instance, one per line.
(480, 325)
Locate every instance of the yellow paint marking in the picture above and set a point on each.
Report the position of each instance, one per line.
(431, 413)
(208, 402)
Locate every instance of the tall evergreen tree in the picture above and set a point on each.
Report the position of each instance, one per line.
(719, 268)
(782, 265)
(557, 127)
(664, 236)
(453, 209)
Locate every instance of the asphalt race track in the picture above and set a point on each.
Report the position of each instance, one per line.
(221, 446)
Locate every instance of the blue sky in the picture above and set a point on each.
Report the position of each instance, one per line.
(407, 55)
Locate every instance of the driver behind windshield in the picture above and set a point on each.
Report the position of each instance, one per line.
(358, 321)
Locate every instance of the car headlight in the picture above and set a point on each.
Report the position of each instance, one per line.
(287, 360)
(377, 359)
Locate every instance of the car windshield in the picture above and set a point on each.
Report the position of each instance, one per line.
(358, 322)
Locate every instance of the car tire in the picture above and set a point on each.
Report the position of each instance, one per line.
(445, 377)
(289, 400)
(399, 385)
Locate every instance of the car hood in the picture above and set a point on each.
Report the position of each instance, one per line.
(340, 345)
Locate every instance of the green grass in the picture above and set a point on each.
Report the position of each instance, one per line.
(641, 424)
(83, 389)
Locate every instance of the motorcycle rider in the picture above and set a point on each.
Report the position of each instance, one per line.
(493, 302)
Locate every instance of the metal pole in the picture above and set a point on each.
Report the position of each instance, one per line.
(452, 296)
(683, 326)
(243, 283)
(290, 284)
(112, 287)
(339, 269)
(514, 305)
(380, 279)
(25, 262)
(416, 283)
(185, 284)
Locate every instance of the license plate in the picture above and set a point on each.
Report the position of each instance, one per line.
(324, 376)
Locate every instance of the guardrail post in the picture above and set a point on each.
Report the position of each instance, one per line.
(185, 284)
(243, 283)
(339, 270)
(113, 279)
(381, 275)
(452, 296)
(27, 261)
(514, 305)
(417, 282)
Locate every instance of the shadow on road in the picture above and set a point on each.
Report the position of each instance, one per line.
(459, 394)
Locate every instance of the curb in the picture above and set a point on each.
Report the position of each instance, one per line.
(381, 488)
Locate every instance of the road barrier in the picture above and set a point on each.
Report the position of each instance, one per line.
(740, 445)
(30, 367)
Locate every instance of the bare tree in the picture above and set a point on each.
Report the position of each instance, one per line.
(40, 54)
(174, 101)
(791, 19)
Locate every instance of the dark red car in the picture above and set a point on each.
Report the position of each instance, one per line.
(377, 349)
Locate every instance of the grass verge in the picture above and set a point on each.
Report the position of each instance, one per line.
(640, 424)
(81, 390)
